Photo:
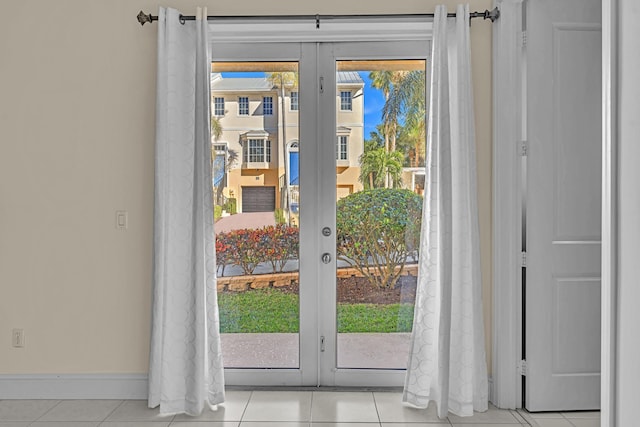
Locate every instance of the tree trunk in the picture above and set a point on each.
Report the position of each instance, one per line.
(284, 152)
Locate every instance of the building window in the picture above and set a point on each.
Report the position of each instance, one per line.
(243, 106)
(345, 100)
(218, 106)
(267, 106)
(294, 101)
(257, 151)
(220, 148)
(341, 148)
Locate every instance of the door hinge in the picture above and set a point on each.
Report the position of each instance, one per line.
(523, 39)
(321, 85)
(523, 259)
(522, 367)
(524, 148)
(322, 343)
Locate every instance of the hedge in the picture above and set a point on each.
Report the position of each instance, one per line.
(249, 247)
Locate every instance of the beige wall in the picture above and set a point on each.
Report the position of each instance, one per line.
(353, 120)
(76, 144)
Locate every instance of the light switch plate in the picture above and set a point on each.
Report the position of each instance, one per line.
(122, 220)
(17, 338)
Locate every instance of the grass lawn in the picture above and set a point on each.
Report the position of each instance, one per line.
(263, 311)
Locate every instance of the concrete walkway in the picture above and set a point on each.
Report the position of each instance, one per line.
(277, 350)
(244, 220)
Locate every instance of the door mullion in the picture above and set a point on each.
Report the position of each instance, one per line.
(327, 213)
(309, 225)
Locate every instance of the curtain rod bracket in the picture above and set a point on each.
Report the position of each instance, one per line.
(317, 22)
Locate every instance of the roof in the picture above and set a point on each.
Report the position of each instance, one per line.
(248, 84)
(261, 84)
(345, 77)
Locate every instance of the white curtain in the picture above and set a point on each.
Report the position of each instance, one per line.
(447, 359)
(185, 371)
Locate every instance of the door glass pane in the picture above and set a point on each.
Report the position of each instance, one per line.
(380, 146)
(255, 155)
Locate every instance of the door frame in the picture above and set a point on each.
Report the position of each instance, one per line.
(287, 40)
(609, 310)
(509, 66)
(508, 133)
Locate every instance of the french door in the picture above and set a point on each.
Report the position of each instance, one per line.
(309, 294)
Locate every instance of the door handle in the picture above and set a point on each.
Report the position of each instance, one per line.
(326, 257)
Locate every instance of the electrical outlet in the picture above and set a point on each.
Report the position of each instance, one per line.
(17, 338)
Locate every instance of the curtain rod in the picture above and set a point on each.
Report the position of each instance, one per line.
(493, 14)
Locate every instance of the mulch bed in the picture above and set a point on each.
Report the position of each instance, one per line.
(353, 290)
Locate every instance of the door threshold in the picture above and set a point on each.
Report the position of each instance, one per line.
(314, 388)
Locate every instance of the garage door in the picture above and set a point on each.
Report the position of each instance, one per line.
(258, 199)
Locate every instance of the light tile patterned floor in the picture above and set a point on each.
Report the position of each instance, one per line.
(273, 409)
(562, 419)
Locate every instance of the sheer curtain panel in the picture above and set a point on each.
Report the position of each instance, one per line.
(185, 371)
(447, 362)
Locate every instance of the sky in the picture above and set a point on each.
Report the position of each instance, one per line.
(373, 99)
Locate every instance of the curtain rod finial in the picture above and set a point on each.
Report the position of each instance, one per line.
(492, 14)
(144, 18)
(487, 14)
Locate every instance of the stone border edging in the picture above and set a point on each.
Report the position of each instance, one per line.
(279, 280)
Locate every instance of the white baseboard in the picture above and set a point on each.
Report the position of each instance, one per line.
(86, 386)
(74, 386)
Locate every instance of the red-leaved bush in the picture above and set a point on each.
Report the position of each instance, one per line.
(249, 247)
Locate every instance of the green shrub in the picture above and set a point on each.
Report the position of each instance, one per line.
(231, 206)
(377, 230)
(217, 212)
(279, 216)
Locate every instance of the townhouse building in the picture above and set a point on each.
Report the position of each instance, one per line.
(258, 146)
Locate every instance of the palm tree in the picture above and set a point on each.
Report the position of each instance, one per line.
(281, 80)
(407, 99)
(378, 164)
(216, 128)
(397, 87)
(383, 80)
(411, 141)
(216, 133)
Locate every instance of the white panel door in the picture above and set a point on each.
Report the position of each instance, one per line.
(563, 205)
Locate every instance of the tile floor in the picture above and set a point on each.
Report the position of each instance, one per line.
(271, 409)
(563, 419)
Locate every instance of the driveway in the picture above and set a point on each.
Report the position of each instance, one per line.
(245, 220)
